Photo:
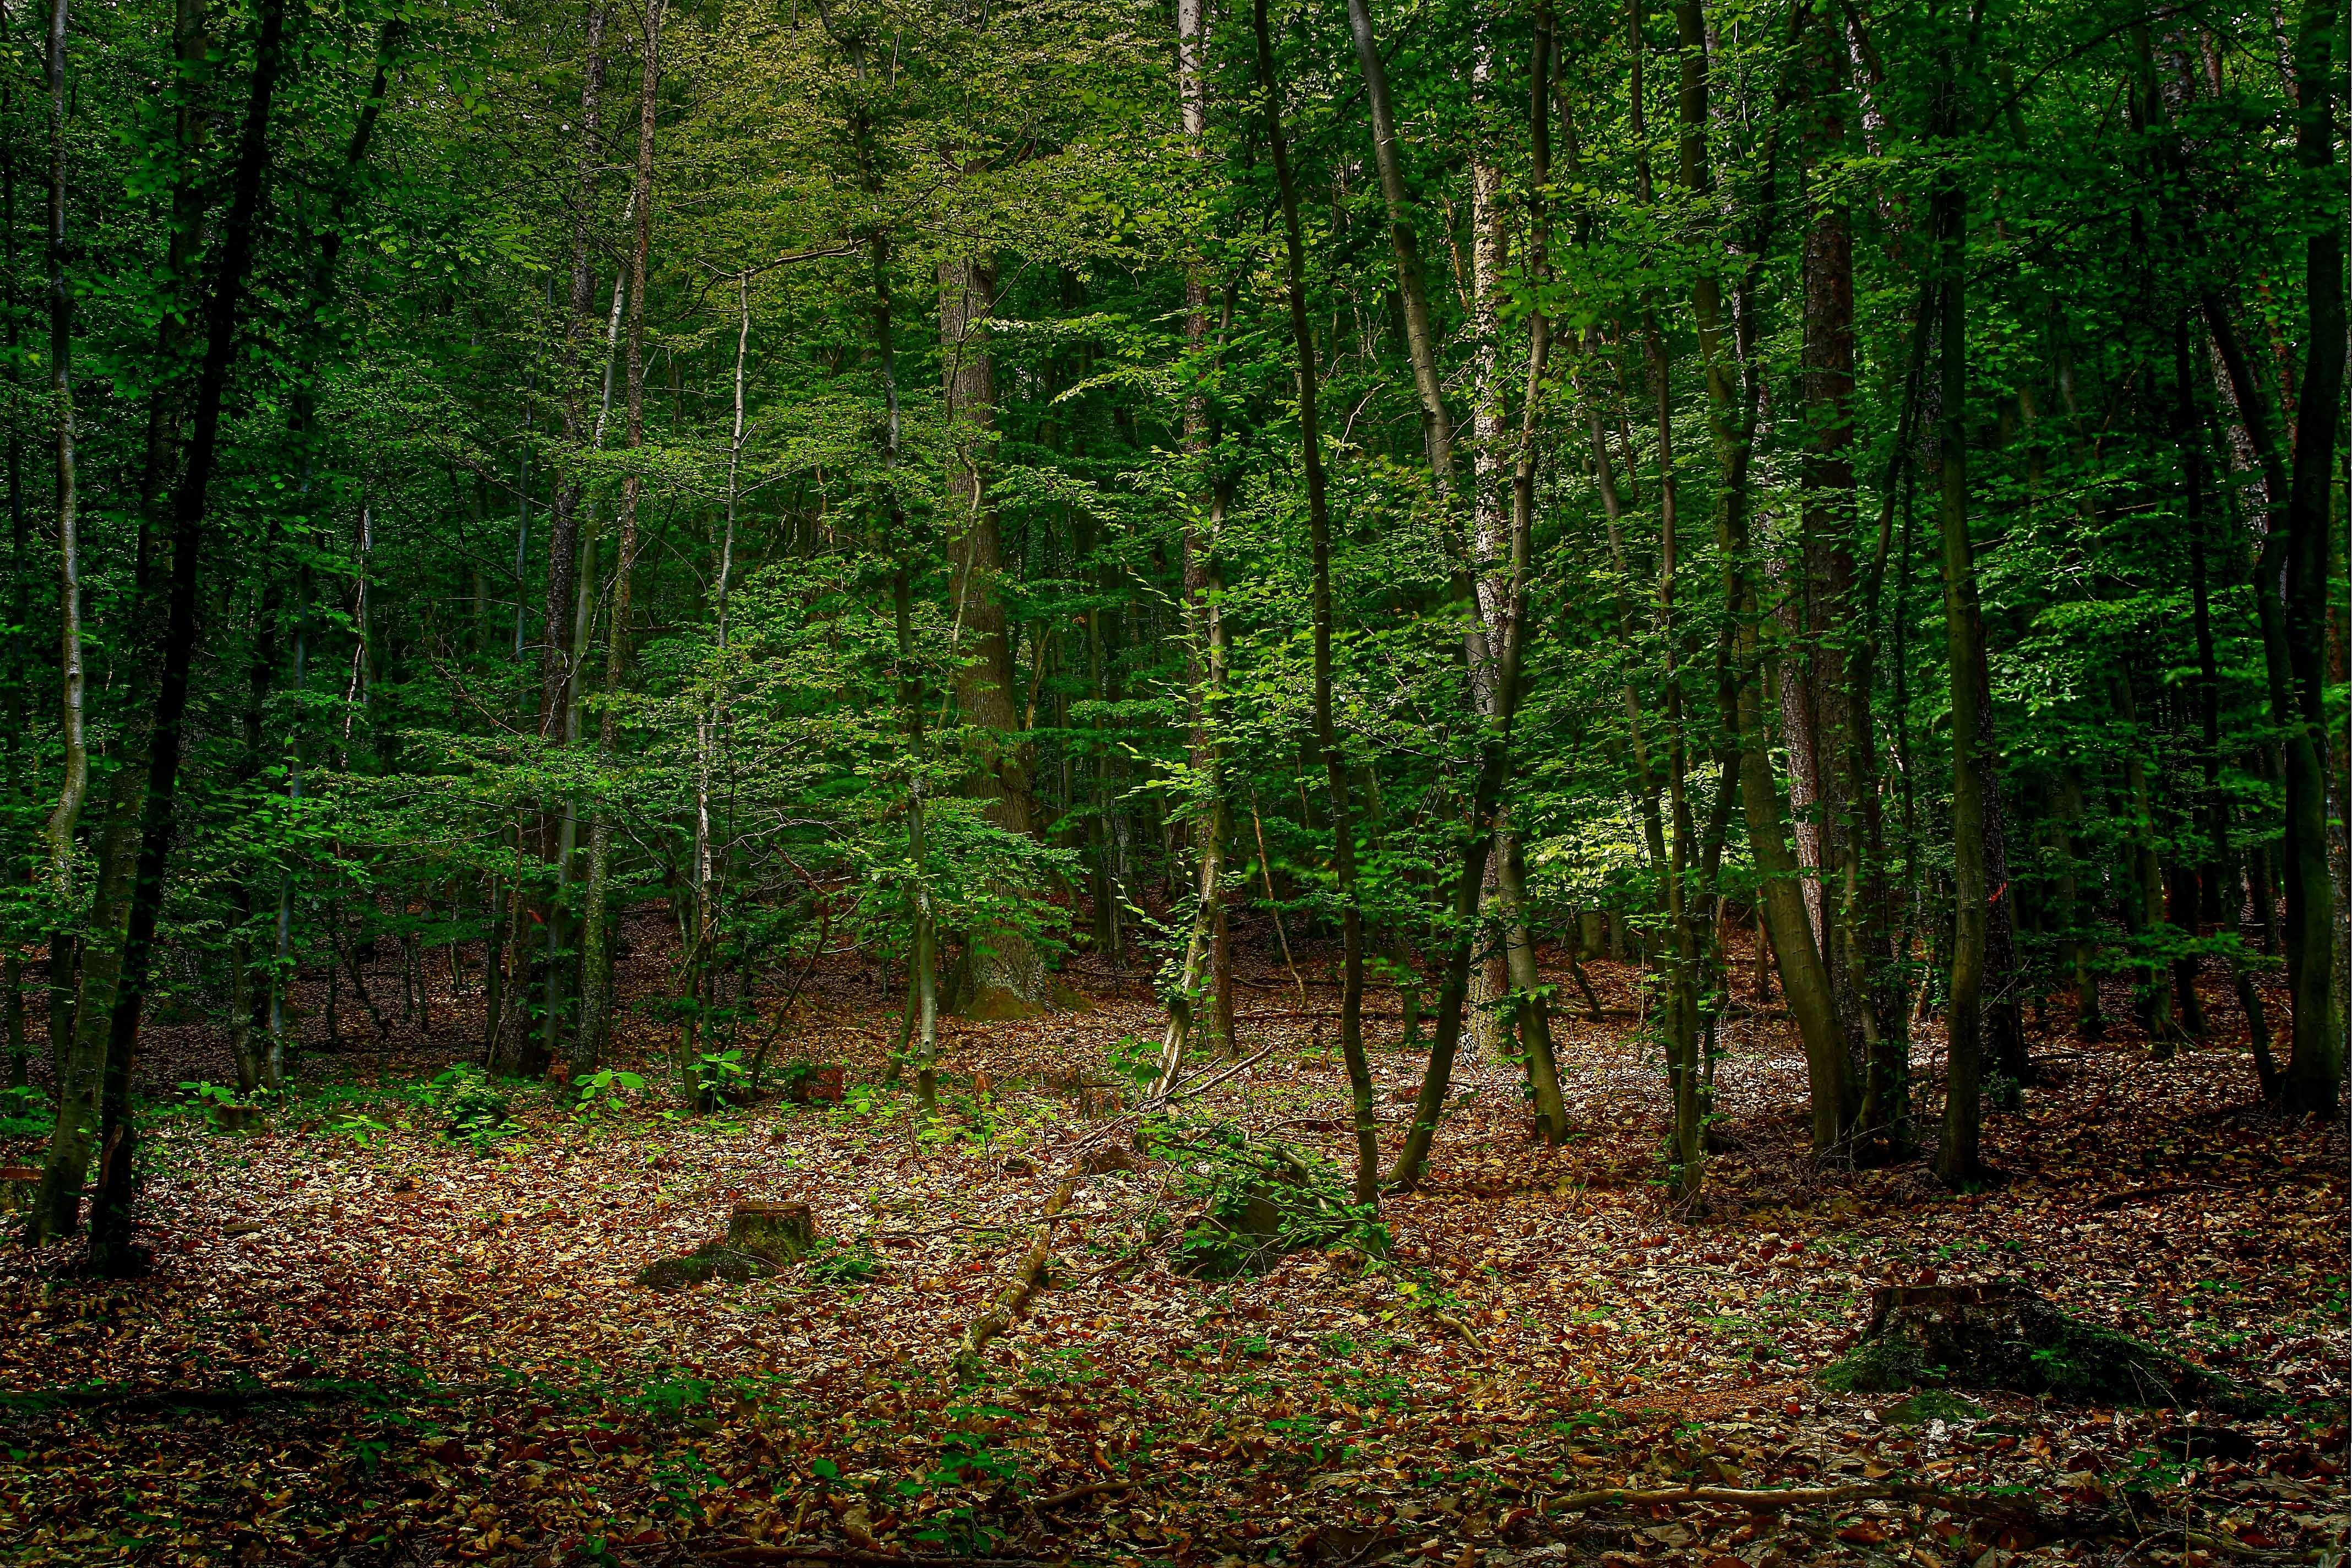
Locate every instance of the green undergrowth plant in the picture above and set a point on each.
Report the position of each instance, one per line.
(471, 1111)
(1258, 1200)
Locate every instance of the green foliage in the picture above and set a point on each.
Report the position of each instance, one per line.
(25, 1113)
(831, 1263)
(471, 1111)
(1258, 1201)
(606, 1090)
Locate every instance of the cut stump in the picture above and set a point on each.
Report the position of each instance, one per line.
(2008, 1335)
(19, 1185)
(778, 1231)
(812, 1084)
(761, 1238)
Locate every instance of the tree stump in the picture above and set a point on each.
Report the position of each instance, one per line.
(811, 1084)
(778, 1231)
(234, 1118)
(2008, 1335)
(18, 1184)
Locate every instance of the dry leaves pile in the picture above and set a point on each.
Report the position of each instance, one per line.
(408, 1350)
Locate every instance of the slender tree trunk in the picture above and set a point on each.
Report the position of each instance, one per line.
(562, 544)
(1956, 1155)
(1001, 976)
(597, 937)
(1839, 754)
(1530, 998)
(75, 788)
(1204, 956)
(709, 722)
(1421, 332)
(109, 1017)
(20, 663)
(1732, 416)
(2314, 1080)
(561, 662)
(1310, 437)
(1491, 467)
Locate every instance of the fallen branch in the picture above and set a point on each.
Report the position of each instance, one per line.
(1006, 1308)
(1461, 1329)
(1185, 1089)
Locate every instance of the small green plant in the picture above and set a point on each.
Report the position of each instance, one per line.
(360, 1128)
(720, 1077)
(1136, 1059)
(966, 1464)
(207, 1094)
(477, 1113)
(25, 1111)
(603, 1090)
(834, 1264)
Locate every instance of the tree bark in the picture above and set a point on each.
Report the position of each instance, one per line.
(1001, 974)
(1310, 438)
(75, 787)
(2314, 1079)
(1957, 1160)
(1732, 420)
(595, 936)
(108, 1016)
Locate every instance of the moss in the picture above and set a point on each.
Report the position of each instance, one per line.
(1881, 1366)
(2006, 1336)
(711, 1260)
(1930, 1404)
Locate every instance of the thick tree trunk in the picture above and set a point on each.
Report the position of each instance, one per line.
(1001, 974)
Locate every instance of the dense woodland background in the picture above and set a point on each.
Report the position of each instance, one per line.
(965, 484)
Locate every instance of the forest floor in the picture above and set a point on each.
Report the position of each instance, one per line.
(365, 1340)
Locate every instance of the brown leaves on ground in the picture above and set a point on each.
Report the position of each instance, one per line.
(405, 1350)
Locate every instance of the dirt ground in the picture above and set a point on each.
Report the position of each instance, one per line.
(368, 1342)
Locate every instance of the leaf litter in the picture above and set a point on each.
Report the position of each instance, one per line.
(366, 1339)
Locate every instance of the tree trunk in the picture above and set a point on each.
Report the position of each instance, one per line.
(1001, 976)
(2314, 1082)
(595, 937)
(1311, 439)
(1972, 763)
(1732, 419)
(76, 785)
(108, 1025)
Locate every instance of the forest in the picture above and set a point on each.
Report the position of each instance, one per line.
(1477, 782)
